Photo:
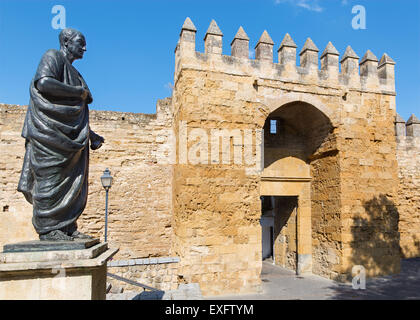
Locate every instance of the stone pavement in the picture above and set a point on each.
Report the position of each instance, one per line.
(281, 284)
(189, 291)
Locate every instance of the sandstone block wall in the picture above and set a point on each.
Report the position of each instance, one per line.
(15, 211)
(408, 155)
(369, 185)
(285, 233)
(161, 276)
(136, 150)
(348, 217)
(216, 206)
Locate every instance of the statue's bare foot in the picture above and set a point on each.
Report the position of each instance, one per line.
(56, 235)
(79, 235)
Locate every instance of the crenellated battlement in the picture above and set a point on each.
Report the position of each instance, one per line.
(349, 72)
(410, 129)
(408, 135)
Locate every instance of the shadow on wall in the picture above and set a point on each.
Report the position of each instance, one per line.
(408, 251)
(376, 239)
(375, 246)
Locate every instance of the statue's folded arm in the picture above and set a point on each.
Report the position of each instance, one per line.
(53, 87)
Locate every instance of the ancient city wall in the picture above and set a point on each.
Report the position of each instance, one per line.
(408, 156)
(15, 212)
(136, 150)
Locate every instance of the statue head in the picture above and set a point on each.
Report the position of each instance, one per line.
(72, 43)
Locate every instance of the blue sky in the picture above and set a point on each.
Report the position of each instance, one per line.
(129, 62)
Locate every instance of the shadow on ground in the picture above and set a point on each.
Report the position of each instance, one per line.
(402, 286)
(149, 295)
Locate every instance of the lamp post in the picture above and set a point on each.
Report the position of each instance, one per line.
(106, 180)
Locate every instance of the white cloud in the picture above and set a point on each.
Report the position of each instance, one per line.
(169, 86)
(311, 5)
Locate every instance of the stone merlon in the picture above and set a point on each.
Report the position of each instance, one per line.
(240, 44)
(213, 39)
(413, 126)
(399, 126)
(264, 47)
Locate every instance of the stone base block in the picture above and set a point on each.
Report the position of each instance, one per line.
(304, 264)
(55, 275)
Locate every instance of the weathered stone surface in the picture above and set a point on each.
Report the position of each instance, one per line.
(413, 126)
(386, 59)
(350, 64)
(287, 42)
(369, 65)
(265, 38)
(32, 265)
(163, 276)
(214, 29)
(369, 56)
(37, 245)
(188, 25)
(408, 156)
(330, 49)
(309, 46)
(240, 44)
(309, 56)
(241, 34)
(264, 47)
(413, 120)
(41, 256)
(25, 276)
(349, 53)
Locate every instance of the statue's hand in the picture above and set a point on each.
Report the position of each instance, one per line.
(89, 99)
(85, 93)
(96, 141)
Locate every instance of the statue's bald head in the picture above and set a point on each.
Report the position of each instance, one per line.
(72, 44)
(68, 34)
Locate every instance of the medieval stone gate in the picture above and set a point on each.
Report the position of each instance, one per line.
(333, 148)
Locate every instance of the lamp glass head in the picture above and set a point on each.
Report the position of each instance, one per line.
(106, 179)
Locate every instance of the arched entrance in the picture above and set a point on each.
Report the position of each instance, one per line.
(295, 135)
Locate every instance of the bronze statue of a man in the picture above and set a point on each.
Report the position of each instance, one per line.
(54, 176)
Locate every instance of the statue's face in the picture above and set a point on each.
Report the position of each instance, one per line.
(77, 46)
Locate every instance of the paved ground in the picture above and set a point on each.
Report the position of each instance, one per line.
(282, 284)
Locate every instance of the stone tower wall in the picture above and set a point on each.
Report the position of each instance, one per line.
(408, 155)
(347, 218)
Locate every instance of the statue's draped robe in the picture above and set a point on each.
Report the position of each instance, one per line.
(54, 176)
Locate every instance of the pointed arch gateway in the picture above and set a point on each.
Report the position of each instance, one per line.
(296, 159)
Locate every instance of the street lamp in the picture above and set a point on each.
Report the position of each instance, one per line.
(106, 180)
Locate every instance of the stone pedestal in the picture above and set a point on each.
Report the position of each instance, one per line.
(61, 270)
